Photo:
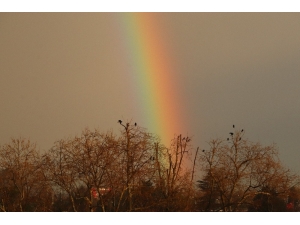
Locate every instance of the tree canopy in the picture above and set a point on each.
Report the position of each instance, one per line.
(134, 171)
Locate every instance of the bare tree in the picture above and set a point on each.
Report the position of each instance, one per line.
(84, 161)
(136, 162)
(23, 187)
(174, 176)
(237, 170)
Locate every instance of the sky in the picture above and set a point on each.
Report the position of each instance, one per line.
(63, 72)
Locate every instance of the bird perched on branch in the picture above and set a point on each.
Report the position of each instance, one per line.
(120, 121)
(233, 126)
(231, 133)
(135, 124)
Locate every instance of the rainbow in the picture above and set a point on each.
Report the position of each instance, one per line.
(153, 75)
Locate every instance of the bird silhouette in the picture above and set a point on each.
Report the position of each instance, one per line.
(134, 124)
(120, 121)
(233, 126)
(240, 139)
(227, 139)
(203, 150)
(242, 130)
(231, 133)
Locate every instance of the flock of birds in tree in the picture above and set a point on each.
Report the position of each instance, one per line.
(127, 124)
(135, 124)
(120, 122)
(231, 133)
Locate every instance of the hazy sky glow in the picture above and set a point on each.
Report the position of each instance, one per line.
(62, 72)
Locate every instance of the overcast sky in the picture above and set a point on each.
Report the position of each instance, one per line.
(62, 72)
